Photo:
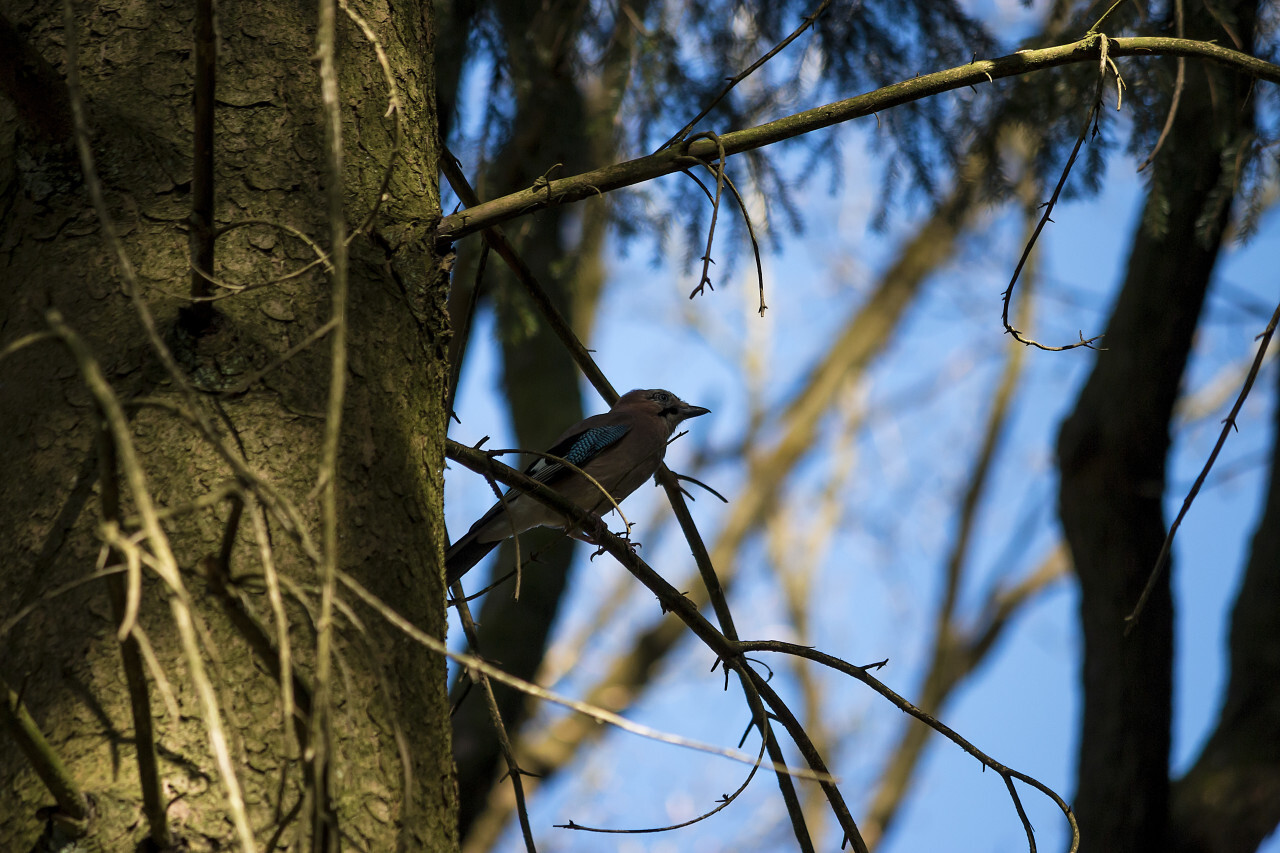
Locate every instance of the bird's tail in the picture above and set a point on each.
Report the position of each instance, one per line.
(463, 556)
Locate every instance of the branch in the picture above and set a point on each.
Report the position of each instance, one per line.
(727, 650)
(438, 647)
(73, 808)
(1227, 426)
(609, 178)
(860, 673)
(495, 716)
(124, 594)
(324, 814)
(743, 75)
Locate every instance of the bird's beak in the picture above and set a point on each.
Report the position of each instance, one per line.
(686, 411)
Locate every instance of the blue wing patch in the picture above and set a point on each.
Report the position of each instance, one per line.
(591, 442)
(577, 450)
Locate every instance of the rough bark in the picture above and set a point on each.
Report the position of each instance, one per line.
(135, 60)
(1112, 452)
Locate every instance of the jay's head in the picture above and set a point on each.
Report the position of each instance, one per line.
(662, 404)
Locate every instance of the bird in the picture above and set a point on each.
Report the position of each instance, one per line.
(620, 448)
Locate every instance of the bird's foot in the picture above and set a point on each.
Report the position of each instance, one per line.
(631, 545)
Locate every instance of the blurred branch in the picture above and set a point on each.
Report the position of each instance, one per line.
(747, 72)
(324, 816)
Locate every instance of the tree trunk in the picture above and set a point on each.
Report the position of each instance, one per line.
(136, 69)
(1112, 452)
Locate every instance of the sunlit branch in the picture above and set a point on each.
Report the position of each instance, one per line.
(609, 178)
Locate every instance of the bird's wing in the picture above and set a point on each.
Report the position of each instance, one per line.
(577, 449)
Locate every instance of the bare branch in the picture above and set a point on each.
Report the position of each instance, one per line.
(422, 638)
(1228, 425)
(495, 716)
(73, 808)
(324, 816)
(747, 72)
(608, 178)
(860, 673)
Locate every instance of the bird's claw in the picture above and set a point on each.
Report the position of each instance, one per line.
(631, 545)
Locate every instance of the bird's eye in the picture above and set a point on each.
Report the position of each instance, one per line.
(661, 397)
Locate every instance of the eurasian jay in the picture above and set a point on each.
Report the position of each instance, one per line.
(620, 448)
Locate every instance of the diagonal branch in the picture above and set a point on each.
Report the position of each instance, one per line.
(1227, 426)
(726, 649)
(589, 184)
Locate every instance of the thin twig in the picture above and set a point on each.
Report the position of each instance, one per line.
(724, 803)
(24, 342)
(1178, 85)
(722, 176)
(200, 238)
(704, 280)
(810, 752)
(500, 244)
(743, 75)
(530, 689)
(1227, 426)
(495, 716)
(49, 595)
(860, 673)
(324, 815)
(1048, 211)
(124, 611)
